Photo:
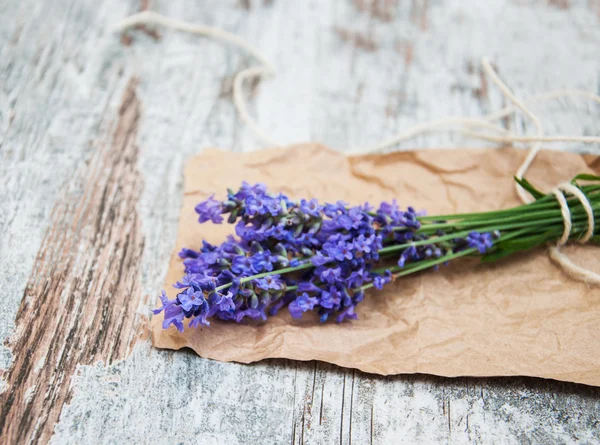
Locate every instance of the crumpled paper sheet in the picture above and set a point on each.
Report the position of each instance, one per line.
(520, 316)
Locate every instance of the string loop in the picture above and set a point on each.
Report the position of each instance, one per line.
(566, 212)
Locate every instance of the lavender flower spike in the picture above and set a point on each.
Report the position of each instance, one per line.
(210, 210)
(303, 255)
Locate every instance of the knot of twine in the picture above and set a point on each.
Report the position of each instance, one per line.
(556, 255)
(576, 272)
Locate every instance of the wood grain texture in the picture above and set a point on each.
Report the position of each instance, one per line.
(80, 304)
(62, 77)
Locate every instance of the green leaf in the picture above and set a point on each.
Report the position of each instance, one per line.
(586, 177)
(529, 188)
(524, 243)
(516, 245)
(495, 256)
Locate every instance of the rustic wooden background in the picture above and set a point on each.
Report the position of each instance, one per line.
(94, 130)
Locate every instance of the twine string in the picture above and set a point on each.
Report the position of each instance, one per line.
(566, 213)
(463, 125)
(264, 70)
(577, 272)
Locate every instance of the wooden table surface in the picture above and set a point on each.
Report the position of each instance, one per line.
(94, 130)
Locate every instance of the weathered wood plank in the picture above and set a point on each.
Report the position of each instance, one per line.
(80, 303)
(61, 77)
(163, 397)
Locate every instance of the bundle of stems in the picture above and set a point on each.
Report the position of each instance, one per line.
(322, 258)
(519, 228)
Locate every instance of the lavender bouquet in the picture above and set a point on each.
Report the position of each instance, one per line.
(311, 257)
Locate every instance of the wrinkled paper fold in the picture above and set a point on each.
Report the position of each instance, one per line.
(520, 316)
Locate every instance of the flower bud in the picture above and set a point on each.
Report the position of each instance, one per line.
(246, 292)
(283, 260)
(284, 209)
(233, 216)
(267, 224)
(359, 296)
(314, 227)
(280, 250)
(229, 205)
(344, 293)
(306, 251)
(265, 298)
(223, 262)
(255, 247)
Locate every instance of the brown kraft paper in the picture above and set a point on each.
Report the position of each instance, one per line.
(519, 316)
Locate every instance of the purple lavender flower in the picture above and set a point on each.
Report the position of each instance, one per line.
(357, 278)
(165, 303)
(329, 253)
(240, 265)
(330, 299)
(190, 298)
(340, 251)
(331, 275)
(363, 244)
(319, 259)
(357, 215)
(310, 208)
(210, 210)
(308, 286)
(480, 241)
(331, 210)
(302, 304)
(187, 281)
(173, 316)
(188, 253)
(380, 280)
(222, 302)
(261, 262)
(247, 190)
(358, 297)
(271, 282)
(251, 313)
(347, 313)
(256, 205)
(200, 320)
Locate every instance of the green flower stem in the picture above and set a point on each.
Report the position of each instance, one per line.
(553, 231)
(266, 274)
(529, 216)
(462, 234)
(546, 202)
(522, 227)
(422, 265)
(503, 238)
